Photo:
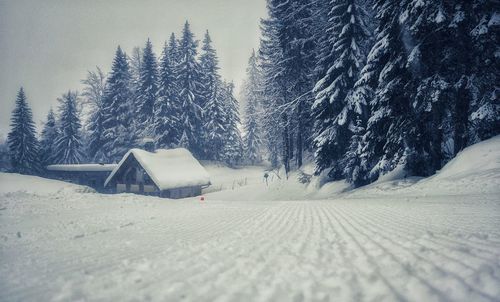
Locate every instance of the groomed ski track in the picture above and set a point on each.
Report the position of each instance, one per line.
(132, 248)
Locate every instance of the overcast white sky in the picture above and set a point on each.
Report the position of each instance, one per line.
(48, 46)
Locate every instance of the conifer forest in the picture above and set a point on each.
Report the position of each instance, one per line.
(358, 87)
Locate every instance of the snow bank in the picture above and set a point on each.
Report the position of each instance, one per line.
(480, 159)
(475, 170)
(12, 182)
(169, 169)
(248, 184)
(224, 178)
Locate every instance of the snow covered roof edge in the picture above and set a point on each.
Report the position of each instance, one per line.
(82, 167)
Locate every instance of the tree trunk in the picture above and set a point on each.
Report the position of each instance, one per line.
(286, 144)
(300, 142)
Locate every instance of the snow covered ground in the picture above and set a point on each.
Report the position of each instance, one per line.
(435, 239)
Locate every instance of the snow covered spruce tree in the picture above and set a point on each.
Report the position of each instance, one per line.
(135, 67)
(451, 60)
(209, 63)
(68, 147)
(173, 50)
(233, 145)
(117, 114)
(386, 136)
(251, 94)
(342, 58)
(429, 122)
(352, 163)
(214, 114)
(22, 141)
(215, 124)
(484, 110)
(49, 136)
(428, 79)
(147, 92)
(167, 107)
(190, 95)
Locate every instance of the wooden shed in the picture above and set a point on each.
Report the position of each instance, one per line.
(173, 173)
(92, 175)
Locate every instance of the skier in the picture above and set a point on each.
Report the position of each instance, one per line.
(266, 175)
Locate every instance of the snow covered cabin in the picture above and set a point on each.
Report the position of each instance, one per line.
(92, 175)
(173, 173)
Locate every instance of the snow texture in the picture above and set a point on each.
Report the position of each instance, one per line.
(169, 169)
(401, 240)
(13, 184)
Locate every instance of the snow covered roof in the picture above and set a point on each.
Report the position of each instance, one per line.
(169, 169)
(83, 167)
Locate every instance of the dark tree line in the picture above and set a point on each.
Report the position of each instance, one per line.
(368, 85)
(177, 100)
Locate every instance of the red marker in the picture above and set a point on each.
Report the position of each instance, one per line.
(202, 198)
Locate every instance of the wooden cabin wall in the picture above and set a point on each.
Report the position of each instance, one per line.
(93, 179)
(133, 178)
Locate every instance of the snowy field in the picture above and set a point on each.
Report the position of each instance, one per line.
(436, 239)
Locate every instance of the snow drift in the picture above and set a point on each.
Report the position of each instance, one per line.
(13, 182)
(475, 170)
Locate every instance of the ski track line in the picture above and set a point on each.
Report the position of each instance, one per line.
(90, 257)
(425, 229)
(277, 225)
(396, 227)
(186, 261)
(377, 269)
(129, 256)
(426, 248)
(448, 260)
(270, 249)
(352, 219)
(395, 224)
(289, 228)
(374, 245)
(339, 241)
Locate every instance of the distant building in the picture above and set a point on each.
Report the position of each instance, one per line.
(92, 175)
(173, 173)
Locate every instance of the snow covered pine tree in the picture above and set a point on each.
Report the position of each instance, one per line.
(333, 109)
(251, 93)
(49, 135)
(117, 114)
(68, 146)
(167, 107)
(214, 114)
(23, 145)
(190, 94)
(147, 93)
